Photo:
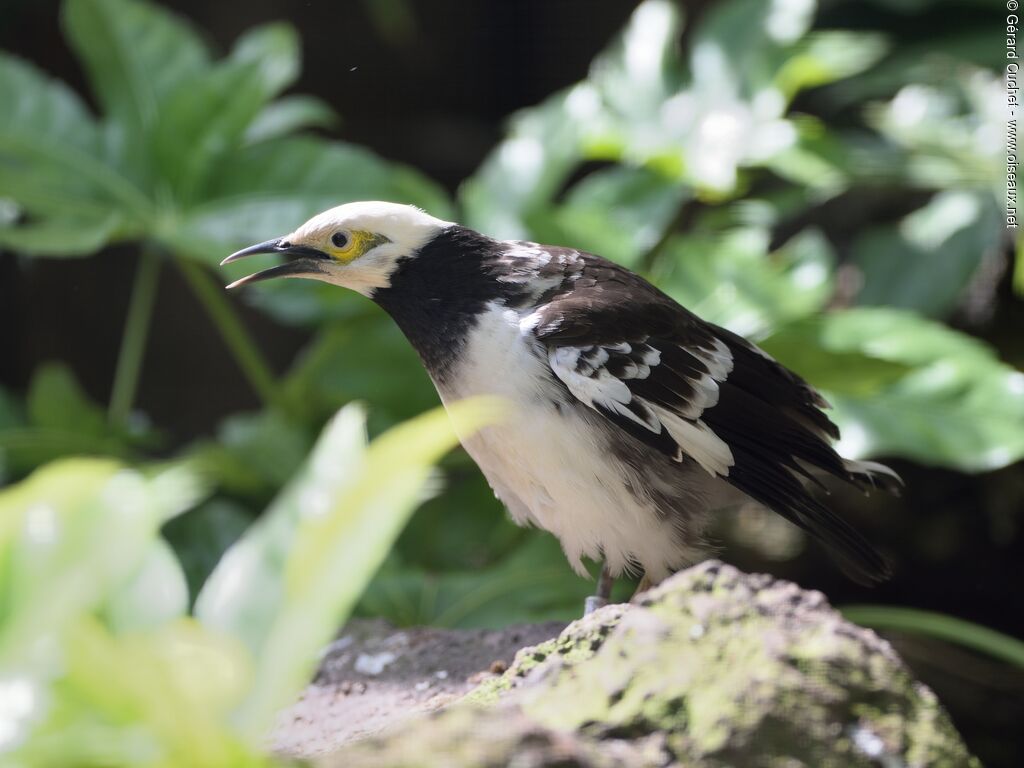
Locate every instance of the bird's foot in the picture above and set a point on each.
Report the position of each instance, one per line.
(604, 592)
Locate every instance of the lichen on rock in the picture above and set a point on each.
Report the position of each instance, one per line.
(713, 668)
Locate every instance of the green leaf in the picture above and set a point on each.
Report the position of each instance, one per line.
(289, 115)
(738, 45)
(800, 347)
(464, 527)
(957, 406)
(929, 259)
(78, 540)
(41, 108)
(62, 421)
(274, 49)
(642, 106)
(827, 162)
(624, 94)
(61, 236)
(523, 173)
(141, 699)
(362, 358)
(532, 584)
(642, 68)
(932, 61)
(26, 448)
(246, 592)
(207, 115)
(135, 53)
(266, 443)
(55, 401)
(203, 534)
(618, 212)
(730, 278)
(154, 595)
(51, 159)
(940, 626)
(947, 128)
(824, 57)
(288, 584)
(11, 412)
(71, 534)
(205, 118)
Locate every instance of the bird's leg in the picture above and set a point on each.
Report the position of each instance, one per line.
(604, 591)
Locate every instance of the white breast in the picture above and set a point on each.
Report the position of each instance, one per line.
(552, 466)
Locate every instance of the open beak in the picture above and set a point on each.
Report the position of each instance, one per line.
(302, 261)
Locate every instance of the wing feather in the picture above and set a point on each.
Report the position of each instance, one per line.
(687, 388)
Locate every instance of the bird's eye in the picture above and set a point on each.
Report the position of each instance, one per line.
(339, 239)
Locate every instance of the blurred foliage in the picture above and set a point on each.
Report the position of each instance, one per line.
(100, 661)
(699, 166)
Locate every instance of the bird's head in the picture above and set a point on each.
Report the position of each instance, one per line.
(357, 245)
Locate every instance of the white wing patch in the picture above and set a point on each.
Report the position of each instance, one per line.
(597, 387)
(600, 377)
(698, 441)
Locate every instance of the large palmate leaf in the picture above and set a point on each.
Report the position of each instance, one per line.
(208, 113)
(51, 153)
(206, 116)
(135, 54)
(924, 391)
(188, 151)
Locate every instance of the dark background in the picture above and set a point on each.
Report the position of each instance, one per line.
(432, 90)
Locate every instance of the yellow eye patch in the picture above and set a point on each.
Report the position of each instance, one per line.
(348, 245)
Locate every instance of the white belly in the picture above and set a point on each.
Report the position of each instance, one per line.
(550, 466)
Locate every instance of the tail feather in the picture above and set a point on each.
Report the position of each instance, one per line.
(871, 474)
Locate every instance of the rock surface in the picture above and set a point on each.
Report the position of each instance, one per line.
(713, 668)
(375, 677)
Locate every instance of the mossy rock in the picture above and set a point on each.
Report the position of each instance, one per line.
(712, 669)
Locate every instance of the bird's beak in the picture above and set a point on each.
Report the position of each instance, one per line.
(303, 261)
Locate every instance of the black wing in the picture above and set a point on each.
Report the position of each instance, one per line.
(689, 388)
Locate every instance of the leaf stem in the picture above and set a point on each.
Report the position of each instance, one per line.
(938, 625)
(133, 339)
(237, 339)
